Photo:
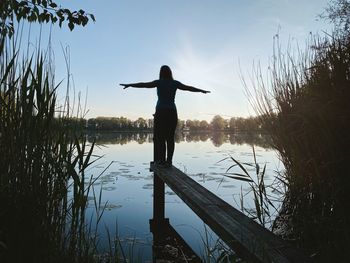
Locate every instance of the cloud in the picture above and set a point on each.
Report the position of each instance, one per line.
(202, 68)
(215, 71)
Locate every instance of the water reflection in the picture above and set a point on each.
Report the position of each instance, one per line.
(128, 184)
(217, 138)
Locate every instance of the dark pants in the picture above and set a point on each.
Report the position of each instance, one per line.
(165, 121)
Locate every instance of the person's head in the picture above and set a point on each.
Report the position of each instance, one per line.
(165, 72)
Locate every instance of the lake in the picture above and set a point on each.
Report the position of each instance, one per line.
(127, 185)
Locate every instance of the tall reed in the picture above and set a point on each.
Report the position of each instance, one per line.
(265, 204)
(304, 107)
(42, 158)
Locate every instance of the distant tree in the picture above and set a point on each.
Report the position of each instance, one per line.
(42, 11)
(204, 125)
(232, 124)
(196, 125)
(189, 124)
(119, 124)
(218, 123)
(180, 125)
(150, 123)
(140, 123)
(250, 124)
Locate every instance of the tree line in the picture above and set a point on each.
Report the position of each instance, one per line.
(216, 138)
(218, 123)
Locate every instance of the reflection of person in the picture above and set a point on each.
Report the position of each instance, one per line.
(165, 120)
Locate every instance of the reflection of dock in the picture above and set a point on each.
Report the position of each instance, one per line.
(168, 245)
(246, 237)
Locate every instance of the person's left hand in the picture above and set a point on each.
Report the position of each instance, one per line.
(125, 85)
(206, 91)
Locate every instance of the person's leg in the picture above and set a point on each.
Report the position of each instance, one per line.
(159, 136)
(170, 139)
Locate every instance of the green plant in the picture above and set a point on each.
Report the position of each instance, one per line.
(41, 11)
(304, 107)
(262, 200)
(43, 157)
(215, 250)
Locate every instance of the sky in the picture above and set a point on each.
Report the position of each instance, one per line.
(208, 44)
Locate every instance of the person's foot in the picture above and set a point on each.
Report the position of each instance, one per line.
(164, 164)
(168, 164)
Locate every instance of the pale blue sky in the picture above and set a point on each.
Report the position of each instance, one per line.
(206, 43)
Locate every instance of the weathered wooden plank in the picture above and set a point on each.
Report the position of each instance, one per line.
(240, 232)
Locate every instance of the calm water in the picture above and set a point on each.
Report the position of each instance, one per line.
(127, 185)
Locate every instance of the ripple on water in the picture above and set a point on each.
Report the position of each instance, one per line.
(214, 173)
(115, 173)
(112, 206)
(132, 177)
(134, 240)
(109, 188)
(148, 186)
(228, 186)
(108, 178)
(127, 165)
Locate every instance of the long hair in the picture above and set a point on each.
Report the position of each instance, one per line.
(165, 73)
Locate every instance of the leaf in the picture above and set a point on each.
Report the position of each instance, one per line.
(87, 159)
(36, 10)
(84, 20)
(238, 174)
(257, 168)
(71, 26)
(228, 169)
(263, 172)
(41, 17)
(249, 164)
(254, 155)
(47, 18)
(257, 206)
(240, 165)
(8, 68)
(220, 182)
(93, 17)
(240, 178)
(222, 160)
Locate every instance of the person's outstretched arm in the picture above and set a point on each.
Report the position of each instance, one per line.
(192, 89)
(151, 84)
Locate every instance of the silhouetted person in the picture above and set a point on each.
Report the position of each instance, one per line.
(165, 120)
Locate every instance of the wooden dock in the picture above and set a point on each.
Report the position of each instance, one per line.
(246, 237)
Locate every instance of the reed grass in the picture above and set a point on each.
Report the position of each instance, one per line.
(42, 158)
(215, 250)
(265, 205)
(303, 105)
